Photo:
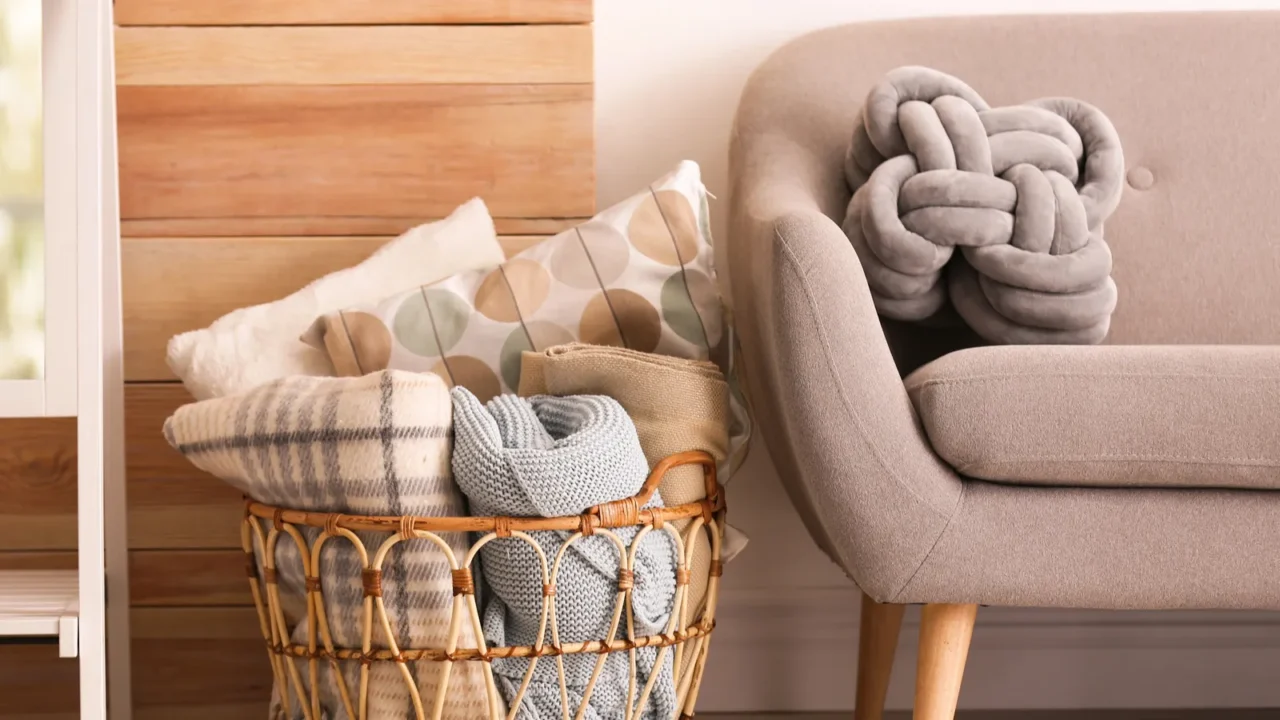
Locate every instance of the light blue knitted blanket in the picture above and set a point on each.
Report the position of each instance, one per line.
(552, 456)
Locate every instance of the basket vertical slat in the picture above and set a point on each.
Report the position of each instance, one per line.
(322, 617)
(249, 530)
(281, 633)
(713, 597)
(674, 621)
(548, 610)
(683, 641)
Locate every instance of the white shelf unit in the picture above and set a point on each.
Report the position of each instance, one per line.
(83, 363)
(35, 603)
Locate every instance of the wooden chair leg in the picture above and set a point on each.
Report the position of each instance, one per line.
(877, 641)
(945, 631)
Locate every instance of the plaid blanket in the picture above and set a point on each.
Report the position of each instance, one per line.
(375, 445)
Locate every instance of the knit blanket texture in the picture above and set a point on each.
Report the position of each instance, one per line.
(555, 456)
(676, 404)
(372, 445)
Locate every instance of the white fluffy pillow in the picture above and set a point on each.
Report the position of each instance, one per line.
(255, 345)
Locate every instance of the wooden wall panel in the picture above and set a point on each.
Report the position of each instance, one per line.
(172, 285)
(161, 578)
(264, 143)
(189, 664)
(186, 657)
(38, 483)
(171, 504)
(35, 682)
(382, 55)
(321, 226)
(371, 151)
(164, 578)
(349, 12)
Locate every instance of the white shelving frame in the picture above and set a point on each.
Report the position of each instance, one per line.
(83, 371)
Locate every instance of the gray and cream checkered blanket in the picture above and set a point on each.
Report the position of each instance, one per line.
(553, 456)
(372, 445)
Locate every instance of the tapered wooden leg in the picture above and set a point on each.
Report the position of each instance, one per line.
(877, 641)
(945, 631)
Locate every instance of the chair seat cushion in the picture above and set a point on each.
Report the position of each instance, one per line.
(1111, 416)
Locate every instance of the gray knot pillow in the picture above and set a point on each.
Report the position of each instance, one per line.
(1021, 190)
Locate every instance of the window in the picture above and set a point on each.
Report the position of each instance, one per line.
(22, 299)
(51, 174)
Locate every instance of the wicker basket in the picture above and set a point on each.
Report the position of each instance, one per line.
(685, 642)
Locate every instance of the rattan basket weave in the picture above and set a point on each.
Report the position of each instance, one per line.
(685, 642)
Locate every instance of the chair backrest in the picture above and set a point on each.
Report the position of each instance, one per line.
(1195, 98)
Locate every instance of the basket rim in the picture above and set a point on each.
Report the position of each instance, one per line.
(627, 512)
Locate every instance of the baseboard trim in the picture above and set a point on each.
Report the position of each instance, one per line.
(796, 649)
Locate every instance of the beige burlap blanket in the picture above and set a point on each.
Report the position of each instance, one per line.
(676, 405)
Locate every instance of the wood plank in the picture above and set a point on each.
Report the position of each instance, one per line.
(38, 466)
(187, 661)
(171, 504)
(161, 578)
(380, 54)
(210, 709)
(57, 560)
(513, 245)
(321, 226)
(173, 285)
(191, 656)
(399, 151)
(38, 483)
(196, 624)
(35, 681)
(349, 12)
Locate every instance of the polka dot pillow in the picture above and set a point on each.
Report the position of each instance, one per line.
(637, 275)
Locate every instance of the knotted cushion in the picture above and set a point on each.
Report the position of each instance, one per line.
(1022, 190)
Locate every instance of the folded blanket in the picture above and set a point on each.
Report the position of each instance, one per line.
(549, 456)
(373, 445)
(676, 405)
(1021, 190)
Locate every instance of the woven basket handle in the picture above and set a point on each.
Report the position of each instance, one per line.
(689, 457)
(626, 511)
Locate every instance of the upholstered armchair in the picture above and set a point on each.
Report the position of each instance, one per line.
(1141, 473)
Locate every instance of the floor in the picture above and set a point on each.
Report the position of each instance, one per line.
(1042, 715)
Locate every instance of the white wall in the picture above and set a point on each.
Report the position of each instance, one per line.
(669, 73)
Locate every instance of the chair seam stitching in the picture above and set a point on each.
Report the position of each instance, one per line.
(1173, 459)
(844, 400)
(964, 486)
(1110, 376)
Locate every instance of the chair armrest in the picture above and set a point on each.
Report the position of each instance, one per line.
(1115, 416)
(827, 396)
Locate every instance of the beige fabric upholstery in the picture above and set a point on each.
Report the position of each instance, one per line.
(1195, 260)
(1121, 416)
